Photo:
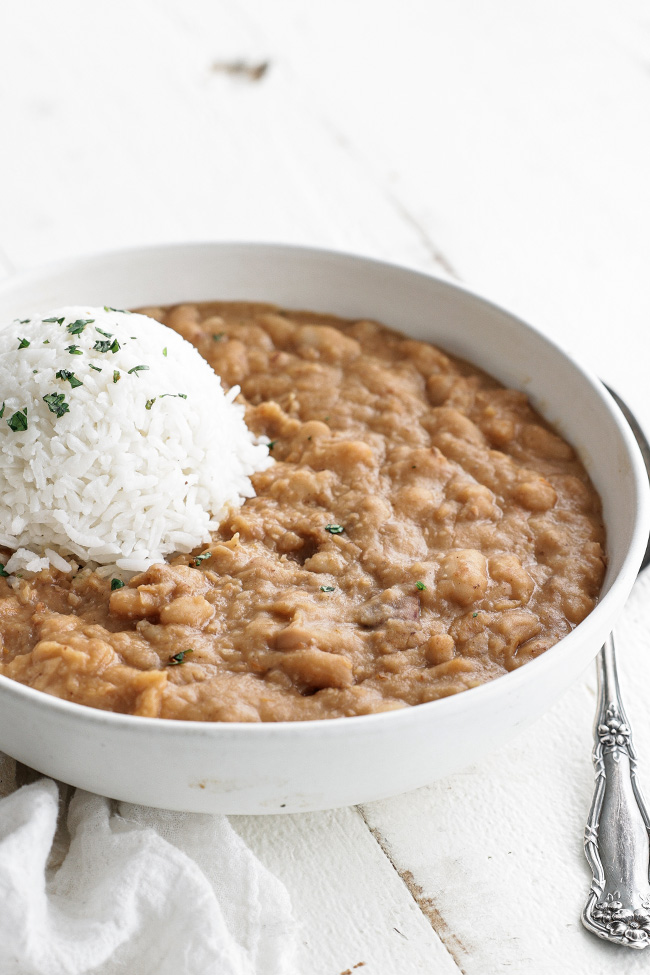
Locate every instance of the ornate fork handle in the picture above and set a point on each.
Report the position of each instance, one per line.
(616, 836)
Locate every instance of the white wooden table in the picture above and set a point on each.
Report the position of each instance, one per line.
(503, 144)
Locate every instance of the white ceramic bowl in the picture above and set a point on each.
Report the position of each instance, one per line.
(267, 768)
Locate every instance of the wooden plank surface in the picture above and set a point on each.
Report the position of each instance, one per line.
(506, 144)
(352, 904)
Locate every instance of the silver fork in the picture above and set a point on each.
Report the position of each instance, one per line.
(618, 829)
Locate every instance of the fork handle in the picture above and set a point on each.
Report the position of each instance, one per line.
(617, 833)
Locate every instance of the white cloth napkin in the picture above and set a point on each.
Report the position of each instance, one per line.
(91, 886)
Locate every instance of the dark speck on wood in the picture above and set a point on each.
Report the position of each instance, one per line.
(245, 70)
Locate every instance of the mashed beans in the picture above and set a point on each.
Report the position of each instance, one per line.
(422, 531)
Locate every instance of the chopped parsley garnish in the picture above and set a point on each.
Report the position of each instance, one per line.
(420, 586)
(201, 558)
(57, 321)
(334, 529)
(76, 328)
(174, 395)
(178, 658)
(116, 376)
(165, 351)
(24, 344)
(2, 410)
(271, 444)
(327, 588)
(182, 395)
(105, 345)
(96, 368)
(73, 350)
(108, 335)
(217, 336)
(46, 342)
(3, 574)
(120, 311)
(24, 321)
(56, 403)
(116, 584)
(474, 615)
(149, 403)
(69, 377)
(137, 369)
(18, 420)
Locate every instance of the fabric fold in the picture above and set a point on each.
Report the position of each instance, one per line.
(142, 890)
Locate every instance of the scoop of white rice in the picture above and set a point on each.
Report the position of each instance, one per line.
(118, 445)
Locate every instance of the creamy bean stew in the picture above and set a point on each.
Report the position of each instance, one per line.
(422, 531)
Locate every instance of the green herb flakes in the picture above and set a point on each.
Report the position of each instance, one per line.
(178, 658)
(24, 321)
(3, 574)
(2, 410)
(271, 444)
(334, 529)
(165, 351)
(149, 403)
(56, 403)
(46, 342)
(182, 395)
(201, 558)
(137, 369)
(108, 335)
(18, 420)
(73, 350)
(420, 586)
(120, 311)
(54, 321)
(105, 345)
(96, 368)
(76, 328)
(69, 377)
(116, 584)
(116, 376)
(24, 344)
(327, 588)
(474, 615)
(217, 336)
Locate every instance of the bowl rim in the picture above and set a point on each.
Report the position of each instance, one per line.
(365, 722)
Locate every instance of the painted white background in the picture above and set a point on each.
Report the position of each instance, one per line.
(506, 144)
